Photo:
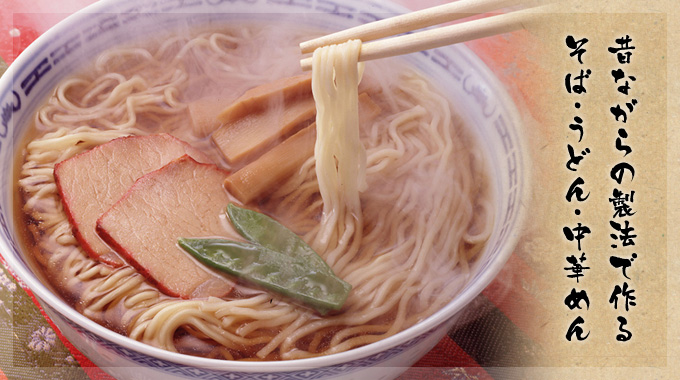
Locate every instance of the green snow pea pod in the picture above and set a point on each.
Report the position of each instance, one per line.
(280, 271)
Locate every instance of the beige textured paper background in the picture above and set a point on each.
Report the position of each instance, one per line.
(647, 136)
(653, 351)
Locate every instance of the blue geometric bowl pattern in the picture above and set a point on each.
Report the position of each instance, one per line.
(328, 372)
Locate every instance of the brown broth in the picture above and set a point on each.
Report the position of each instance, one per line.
(116, 316)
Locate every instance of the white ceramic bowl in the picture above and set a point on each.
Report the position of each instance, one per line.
(465, 79)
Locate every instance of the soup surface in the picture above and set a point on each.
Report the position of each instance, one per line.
(426, 210)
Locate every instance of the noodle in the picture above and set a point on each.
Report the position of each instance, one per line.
(404, 242)
(339, 155)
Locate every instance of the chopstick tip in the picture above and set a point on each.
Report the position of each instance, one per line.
(306, 47)
(306, 64)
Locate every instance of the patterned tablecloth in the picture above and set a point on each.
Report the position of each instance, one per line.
(497, 332)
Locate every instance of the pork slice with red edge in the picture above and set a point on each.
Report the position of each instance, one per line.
(182, 199)
(91, 182)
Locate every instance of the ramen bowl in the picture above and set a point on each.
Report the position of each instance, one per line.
(464, 79)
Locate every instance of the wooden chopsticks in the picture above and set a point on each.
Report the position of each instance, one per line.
(428, 39)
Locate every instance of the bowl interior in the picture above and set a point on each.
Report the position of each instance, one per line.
(477, 94)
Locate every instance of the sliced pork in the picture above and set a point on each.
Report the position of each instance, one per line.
(91, 182)
(183, 199)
